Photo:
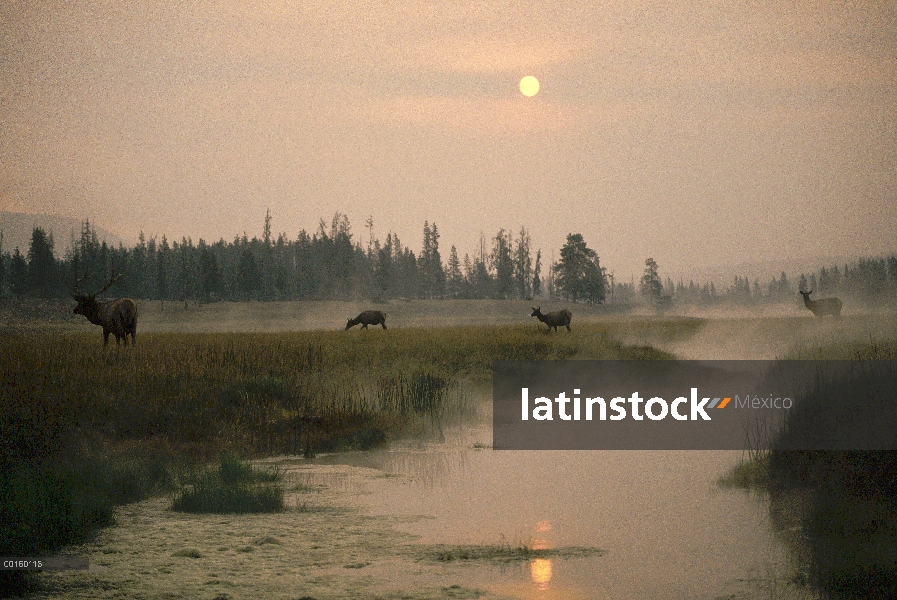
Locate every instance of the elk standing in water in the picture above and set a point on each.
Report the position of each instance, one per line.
(118, 317)
(555, 319)
(368, 317)
(820, 308)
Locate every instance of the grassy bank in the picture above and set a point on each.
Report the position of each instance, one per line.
(254, 393)
(83, 428)
(837, 510)
(231, 487)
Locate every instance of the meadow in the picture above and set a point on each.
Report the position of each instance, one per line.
(84, 429)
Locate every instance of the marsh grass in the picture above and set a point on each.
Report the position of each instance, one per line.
(837, 510)
(501, 552)
(849, 507)
(750, 474)
(852, 349)
(231, 487)
(46, 504)
(200, 394)
(83, 428)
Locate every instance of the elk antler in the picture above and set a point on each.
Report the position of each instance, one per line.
(76, 289)
(112, 279)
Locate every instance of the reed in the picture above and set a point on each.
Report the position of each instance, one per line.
(835, 508)
(254, 394)
(231, 487)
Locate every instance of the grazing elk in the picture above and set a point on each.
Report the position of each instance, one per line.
(118, 317)
(368, 317)
(820, 308)
(554, 320)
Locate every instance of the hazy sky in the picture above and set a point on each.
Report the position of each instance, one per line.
(696, 133)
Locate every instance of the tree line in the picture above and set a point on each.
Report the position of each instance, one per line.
(867, 280)
(329, 264)
(332, 264)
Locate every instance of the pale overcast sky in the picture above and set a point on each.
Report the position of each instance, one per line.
(696, 133)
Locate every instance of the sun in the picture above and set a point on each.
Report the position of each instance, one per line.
(529, 86)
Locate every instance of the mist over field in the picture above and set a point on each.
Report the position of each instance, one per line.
(734, 333)
(382, 437)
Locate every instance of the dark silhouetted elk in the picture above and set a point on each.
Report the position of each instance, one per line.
(118, 317)
(820, 308)
(554, 320)
(368, 317)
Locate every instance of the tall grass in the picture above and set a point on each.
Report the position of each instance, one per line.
(251, 393)
(232, 487)
(83, 428)
(847, 499)
(51, 501)
(837, 509)
(868, 349)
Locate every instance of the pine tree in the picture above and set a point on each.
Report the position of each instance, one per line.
(43, 275)
(784, 286)
(18, 273)
(139, 265)
(469, 277)
(523, 265)
(306, 281)
(248, 272)
(537, 281)
(432, 275)
(266, 230)
(384, 272)
(579, 274)
(265, 256)
(209, 274)
(479, 277)
(650, 286)
(455, 277)
(503, 264)
(437, 272)
(162, 270)
(423, 266)
(186, 276)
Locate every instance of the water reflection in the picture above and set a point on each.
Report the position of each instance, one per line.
(842, 544)
(427, 469)
(540, 572)
(657, 515)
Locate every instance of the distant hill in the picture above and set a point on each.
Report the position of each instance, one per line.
(17, 228)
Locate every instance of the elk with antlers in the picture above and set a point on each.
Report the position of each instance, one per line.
(118, 317)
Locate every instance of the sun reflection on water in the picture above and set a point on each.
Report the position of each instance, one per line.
(540, 568)
(540, 572)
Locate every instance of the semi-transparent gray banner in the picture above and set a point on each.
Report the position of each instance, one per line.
(44, 563)
(695, 405)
